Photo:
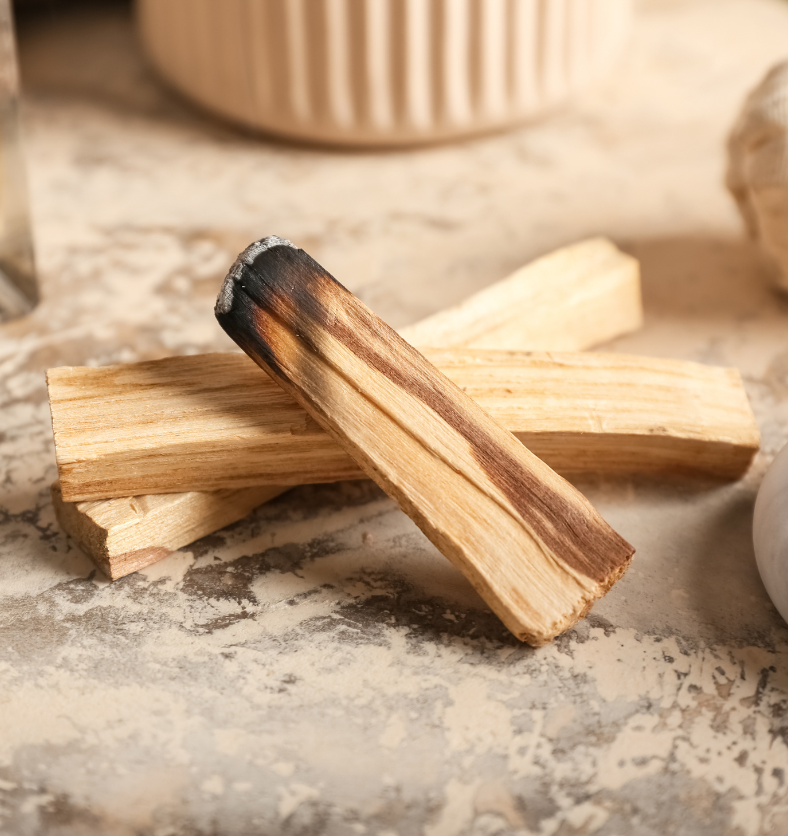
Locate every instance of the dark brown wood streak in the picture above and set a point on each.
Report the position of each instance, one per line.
(286, 284)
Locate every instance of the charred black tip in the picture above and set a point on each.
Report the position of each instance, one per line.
(224, 301)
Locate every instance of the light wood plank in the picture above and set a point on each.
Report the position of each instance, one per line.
(211, 422)
(569, 300)
(128, 533)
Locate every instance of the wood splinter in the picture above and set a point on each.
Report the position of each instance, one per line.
(530, 543)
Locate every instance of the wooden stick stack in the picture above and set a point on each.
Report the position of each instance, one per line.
(194, 443)
(556, 302)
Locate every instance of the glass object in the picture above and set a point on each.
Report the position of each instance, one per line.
(18, 286)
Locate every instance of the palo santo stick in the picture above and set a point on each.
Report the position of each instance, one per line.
(576, 297)
(531, 544)
(573, 298)
(125, 534)
(213, 421)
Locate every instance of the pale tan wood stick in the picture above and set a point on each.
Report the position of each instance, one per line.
(531, 544)
(125, 534)
(569, 300)
(213, 421)
(573, 298)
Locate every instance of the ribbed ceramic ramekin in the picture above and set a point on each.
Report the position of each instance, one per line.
(382, 72)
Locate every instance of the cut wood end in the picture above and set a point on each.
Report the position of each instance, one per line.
(126, 534)
(539, 639)
(530, 543)
(75, 519)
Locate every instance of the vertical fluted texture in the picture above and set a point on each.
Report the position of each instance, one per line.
(382, 71)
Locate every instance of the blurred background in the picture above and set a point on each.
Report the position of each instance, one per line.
(124, 167)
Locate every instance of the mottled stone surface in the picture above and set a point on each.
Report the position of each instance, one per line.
(318, 668)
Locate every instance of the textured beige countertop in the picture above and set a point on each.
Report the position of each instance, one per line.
(318, 668)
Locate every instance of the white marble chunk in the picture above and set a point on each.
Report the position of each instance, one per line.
(770, 532)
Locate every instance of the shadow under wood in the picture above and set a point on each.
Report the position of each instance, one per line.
(373, 571)
(724, 589)
(697, 277)
(694, 574)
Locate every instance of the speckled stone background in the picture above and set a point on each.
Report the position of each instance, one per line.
(318, 668)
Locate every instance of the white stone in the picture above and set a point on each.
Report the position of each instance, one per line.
(770, 532)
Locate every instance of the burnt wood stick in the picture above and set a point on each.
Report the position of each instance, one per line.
(529, 542)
